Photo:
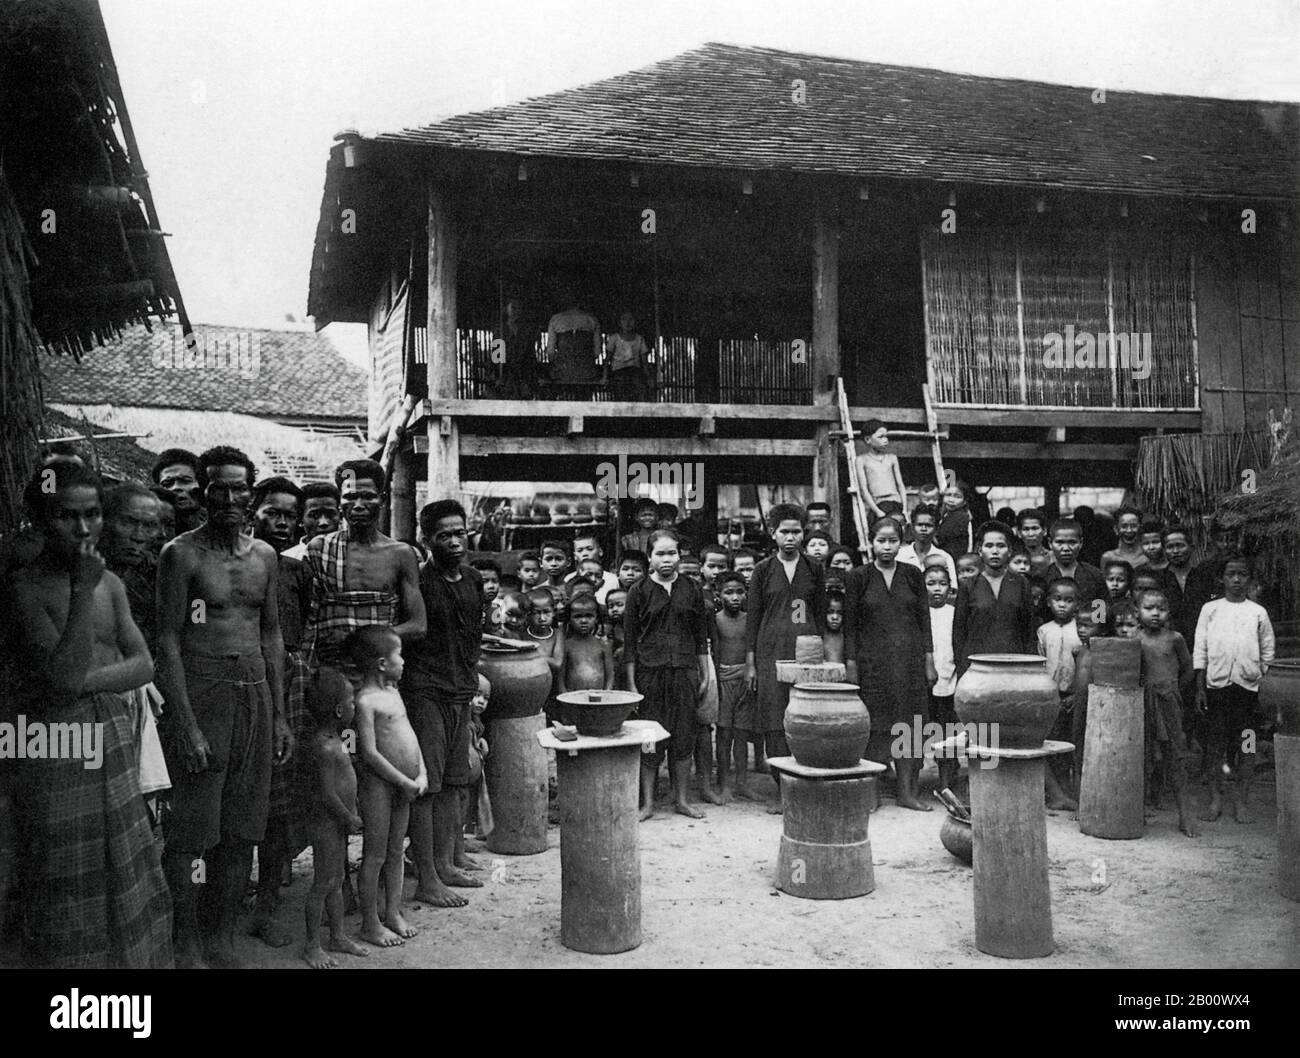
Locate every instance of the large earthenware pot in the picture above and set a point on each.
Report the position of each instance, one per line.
(1279, 694)
(1012, 691)
(520, 678)
(826, 725)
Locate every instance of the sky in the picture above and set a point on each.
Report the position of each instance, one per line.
(235, 103)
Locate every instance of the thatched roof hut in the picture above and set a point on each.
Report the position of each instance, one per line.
(1266, 521)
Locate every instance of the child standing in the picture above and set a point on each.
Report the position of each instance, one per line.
(490, 570)
(615, 606)
(1234, 648)
(555, 563)
(587, 662)
(542, 632)
(736, 720)
(943, 710)
(833, 640)
(625, 362)
(968, 568)
(632, 567)
(881, 473)
(646, 514)
(333, 816)
(666, 650)
(530, 570)
(1166, 675)
(1088, 628)
(1153, 546)
(392, 775)
(954, 532)
(1058, 641)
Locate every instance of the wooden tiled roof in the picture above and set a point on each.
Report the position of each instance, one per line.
(298, 374)
(733, 107)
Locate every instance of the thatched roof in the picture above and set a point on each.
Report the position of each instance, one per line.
(1271, 513)
(76, 173)
(115, 458)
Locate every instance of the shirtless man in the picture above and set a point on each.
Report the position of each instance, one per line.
(320, 515)
(359, 575)
(221, 672)
(94, 890)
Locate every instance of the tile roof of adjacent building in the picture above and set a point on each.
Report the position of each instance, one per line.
(275, 374)
(728, 106)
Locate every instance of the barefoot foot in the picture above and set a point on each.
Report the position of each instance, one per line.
(1211, 814)
(465, 863)
(1243, 814)
(439, 895)
(646, 813)
(270, 932)
(725, 796)
(345, 944)
(683, 809)
(380, 936)
(1188, 826)
(316, 958)
(400, 926)
(459, 880)
(743, 792)
(913, 804)
(775, 809)
(708, 794)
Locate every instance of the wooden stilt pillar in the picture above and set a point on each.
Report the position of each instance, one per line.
(444, 434)
(1110, 788)
(825, 360)
(401, 501)
(1286, 757)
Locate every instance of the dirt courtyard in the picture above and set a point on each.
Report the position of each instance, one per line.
(707, 901)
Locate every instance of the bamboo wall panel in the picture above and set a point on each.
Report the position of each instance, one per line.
(1254, 400)
(993, 300)
(1289, 298)
(1217, 318)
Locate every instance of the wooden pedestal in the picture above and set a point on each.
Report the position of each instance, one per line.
(1286, 756)
(1111, 786)
(600, 855)
(825, 849)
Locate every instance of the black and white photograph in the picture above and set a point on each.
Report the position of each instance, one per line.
(578, 485)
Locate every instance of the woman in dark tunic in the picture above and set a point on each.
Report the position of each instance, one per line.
(888, 651)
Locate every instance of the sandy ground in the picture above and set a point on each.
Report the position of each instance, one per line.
(707, 900)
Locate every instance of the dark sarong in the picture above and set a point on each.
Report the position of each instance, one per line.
(95, 893)
(291, 782)
(442, 724)
(231, 702)
(670, 700)
(736, 706)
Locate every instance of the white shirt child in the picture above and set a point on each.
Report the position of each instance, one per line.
(1234, 643)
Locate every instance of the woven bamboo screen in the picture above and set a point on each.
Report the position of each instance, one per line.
(992, 301)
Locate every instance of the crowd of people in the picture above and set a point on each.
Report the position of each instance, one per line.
(271, 671)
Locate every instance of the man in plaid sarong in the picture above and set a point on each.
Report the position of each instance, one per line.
(92, 888)
(359, 576)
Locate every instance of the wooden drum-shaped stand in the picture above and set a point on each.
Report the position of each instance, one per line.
(600, 853)
(825, 849)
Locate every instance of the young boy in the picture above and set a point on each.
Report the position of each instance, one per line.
(512, 611)
(1124, 621)
(549, 640)
(881, 475)
(743, 562)
(555, 563)
(530, 570)
(689, 567)
(833, 640)
(1153, 546)
(1058, 642)
(632, 567)
(943, 710)
(587, 550)
(333, 815)
(968, 568)
(922, 549)
(490, 570)
(1020, 562)
(1088, 626)
(391, 776)
(1128, 526)
(666, 648)
(736, 720)
(646, 515)
(615, 606)
(590, 569)
(1166, 674)
(1234, 648)
(713, 564)
(587, 662)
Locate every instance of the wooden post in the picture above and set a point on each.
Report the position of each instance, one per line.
(825, 360)
(515, 772)
(1013, 899)
(444, 443)
(1286, 759)
(1111, 784)
(600, 854)
(401, 497)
